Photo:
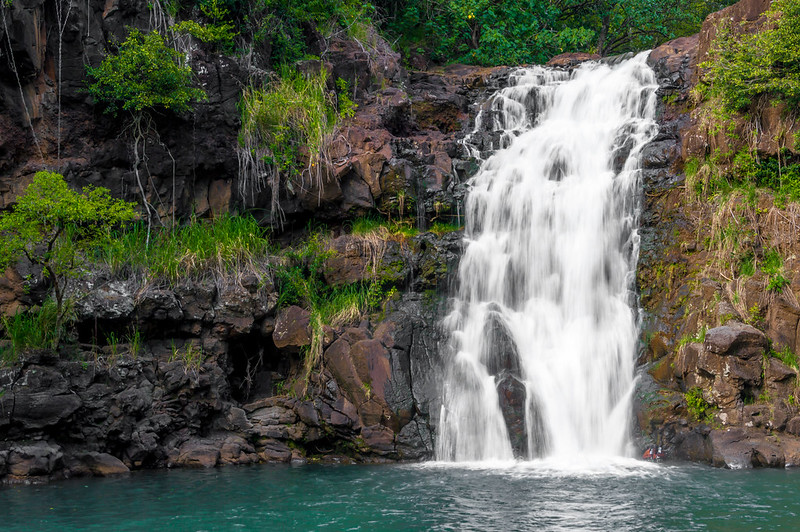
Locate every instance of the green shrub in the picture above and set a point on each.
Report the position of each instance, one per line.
(743, 67)
(700, 409)
(219, 32)
(280, 26)
(144, 74)
(54, 227)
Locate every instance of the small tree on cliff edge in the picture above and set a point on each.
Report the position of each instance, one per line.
(52, 225)
(145, 75)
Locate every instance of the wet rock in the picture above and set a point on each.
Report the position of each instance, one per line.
(36, 459)
(736, 449)
(198, 453)
(379, 438)
(292, 328)
(274, 451)
(571, 59)
(95, 464)
(236, 450)
(41, 398)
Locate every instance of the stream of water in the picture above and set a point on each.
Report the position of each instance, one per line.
(544, 325)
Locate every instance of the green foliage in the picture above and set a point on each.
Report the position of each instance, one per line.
(786, 356)
(279, 27)
(289, 120)
(386, 229)
(772, 265)
(190, 355)
(744, 171)
(219, 32)
(286, 130)
(347, 108)
(144, 74)
(226, 244)
(301, 281)
(35, 328)
(747, 265)
(54, 226)
(697, 337)
(492, 32)
(700, 409)
(743, 67)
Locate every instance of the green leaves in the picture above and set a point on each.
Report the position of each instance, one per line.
(743, 67)
(145, 74)
(52, 225)
(51, 222)
(525, 31)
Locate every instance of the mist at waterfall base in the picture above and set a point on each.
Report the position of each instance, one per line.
(412, 497)
(543, 329)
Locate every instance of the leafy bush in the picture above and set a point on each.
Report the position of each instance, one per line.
(53, 226)
(219, 32)
(279, 26)
(144, 74)
(700, 409)
(743, 67)
(492, 32)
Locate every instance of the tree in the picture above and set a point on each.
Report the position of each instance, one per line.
(52, 225)
(144, 76)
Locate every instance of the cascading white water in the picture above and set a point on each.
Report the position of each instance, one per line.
(543, 330)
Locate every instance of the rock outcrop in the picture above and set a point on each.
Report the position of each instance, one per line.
(710, 332)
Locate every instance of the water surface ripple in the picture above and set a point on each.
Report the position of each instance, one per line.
(624, 495)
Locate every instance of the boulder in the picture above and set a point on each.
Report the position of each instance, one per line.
(95, 464)
(36, 459)
(198, 453)
(292, 328)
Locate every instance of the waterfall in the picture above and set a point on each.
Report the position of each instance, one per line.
(543, 330)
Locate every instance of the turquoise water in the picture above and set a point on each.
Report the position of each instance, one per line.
(625, 496)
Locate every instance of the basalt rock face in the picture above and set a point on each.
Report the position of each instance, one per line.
(211, 376)
(214, 375)
(709, 332)
(398, 154)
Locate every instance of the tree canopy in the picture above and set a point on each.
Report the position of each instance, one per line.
(493, 32)
(144, 74)
(51, 225)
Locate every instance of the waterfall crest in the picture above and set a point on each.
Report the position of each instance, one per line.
(543, 329)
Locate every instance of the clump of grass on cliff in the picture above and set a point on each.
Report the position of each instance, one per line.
(35, 328)
(287, 125)
(301, 281)
(223, 245)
